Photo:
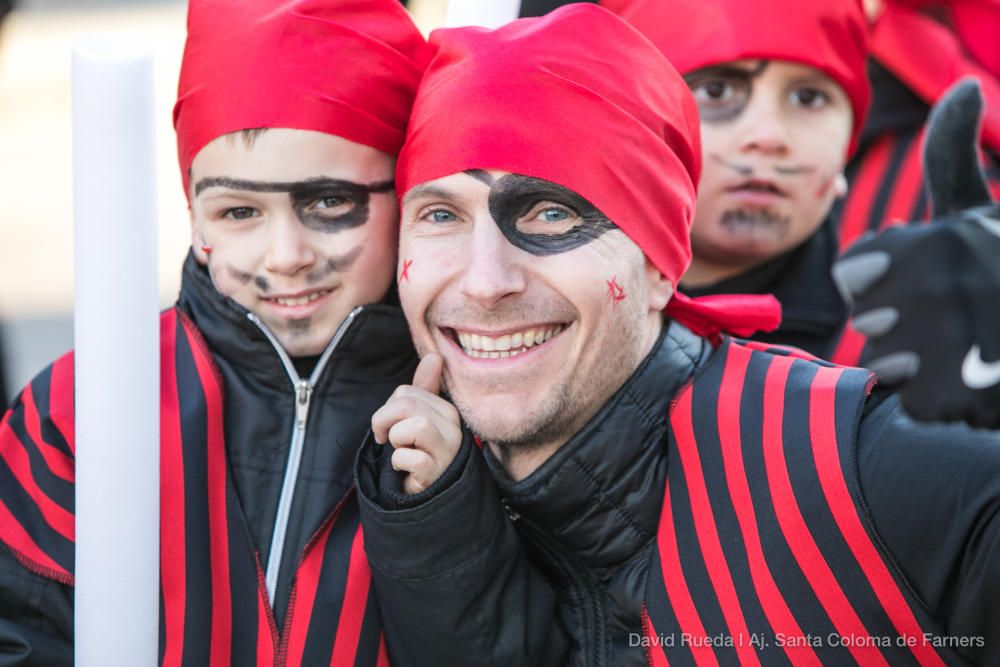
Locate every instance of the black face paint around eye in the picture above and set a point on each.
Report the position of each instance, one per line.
(304, 193)
(740, 80)
(354, 211)
(513, 196)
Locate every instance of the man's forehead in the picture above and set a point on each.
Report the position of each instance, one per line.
(471, 182)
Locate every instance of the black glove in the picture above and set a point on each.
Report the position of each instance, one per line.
(928, 298)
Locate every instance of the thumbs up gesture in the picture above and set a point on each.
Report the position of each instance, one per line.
(424, 429)
(926, 296)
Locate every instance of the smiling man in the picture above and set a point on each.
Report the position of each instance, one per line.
(691, 497)
(283, 342)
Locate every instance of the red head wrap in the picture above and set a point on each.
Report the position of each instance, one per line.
(343, 67)
(581, 99)
(929, 58)
(829, 35)
(976, 23)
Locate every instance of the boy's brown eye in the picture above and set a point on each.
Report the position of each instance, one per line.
(239, 213)
(714, 90)
(813, 98)
(721, 92)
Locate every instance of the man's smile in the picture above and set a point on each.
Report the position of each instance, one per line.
(500, 345)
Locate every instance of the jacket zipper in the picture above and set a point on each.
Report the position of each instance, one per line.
(581, 592)
(302, 395)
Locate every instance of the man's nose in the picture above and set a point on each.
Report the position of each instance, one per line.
(290, 249)
(493, 267)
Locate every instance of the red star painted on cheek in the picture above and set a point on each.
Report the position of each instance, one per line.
(615, 291)
(407, 263)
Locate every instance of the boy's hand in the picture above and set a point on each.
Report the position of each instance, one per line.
(424, 429)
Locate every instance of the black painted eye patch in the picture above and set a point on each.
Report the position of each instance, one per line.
(513, 196)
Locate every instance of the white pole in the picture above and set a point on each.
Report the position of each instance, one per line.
(484, 13)
(117, 354)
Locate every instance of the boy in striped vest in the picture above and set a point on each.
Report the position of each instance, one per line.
(694, 498)
(284, 340)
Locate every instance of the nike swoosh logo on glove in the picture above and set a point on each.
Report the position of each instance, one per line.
(976, 373)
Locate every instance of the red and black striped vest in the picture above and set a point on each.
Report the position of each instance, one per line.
(214, 608)
(764, 554)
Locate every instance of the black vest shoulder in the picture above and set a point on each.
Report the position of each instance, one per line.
(763, 554)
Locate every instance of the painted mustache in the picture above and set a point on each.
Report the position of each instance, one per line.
(747, 171)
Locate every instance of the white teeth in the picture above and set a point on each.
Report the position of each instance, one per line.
(507, 345)
(300, 300)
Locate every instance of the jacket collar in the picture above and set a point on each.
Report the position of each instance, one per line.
(377, 338)
(801, 280)
(601, 493)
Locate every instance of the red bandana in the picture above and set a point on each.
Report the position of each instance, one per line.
(344, 67)
(829, 35)
(977, 25)
(928, 58)
(581, 99)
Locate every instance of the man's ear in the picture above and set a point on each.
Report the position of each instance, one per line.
(659, 289)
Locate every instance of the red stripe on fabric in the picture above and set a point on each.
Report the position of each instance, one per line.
(57, 461)
(670, 560)
(655, 657)
(800, 541)
(267, 628)
(352, 614)
(173, 565)
(15, 455)
(849, 347)
(304, 597)
(777, 349)
(218, 522)
(730, 435)
(62, 411)
(383, 652)
(677, 588)
(20, 541)
(907, 186)
(822, 428)
(864, 189)
(707, 531)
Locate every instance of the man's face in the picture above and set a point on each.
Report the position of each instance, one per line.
(774, 141)
(301, 228)
(540, 306)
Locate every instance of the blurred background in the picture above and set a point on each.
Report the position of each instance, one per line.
(36, 188)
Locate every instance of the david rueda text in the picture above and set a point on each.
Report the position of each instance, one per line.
(779, 640)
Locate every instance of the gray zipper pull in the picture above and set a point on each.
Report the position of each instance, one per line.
(303, 392)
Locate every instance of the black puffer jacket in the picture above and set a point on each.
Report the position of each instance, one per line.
(590, 517)
(283, 465)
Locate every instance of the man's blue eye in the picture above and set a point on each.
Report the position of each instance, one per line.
(554, 214)
(442, 216)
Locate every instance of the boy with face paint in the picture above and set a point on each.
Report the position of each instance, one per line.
(283, 342)
(693, 498)
(782, 92)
